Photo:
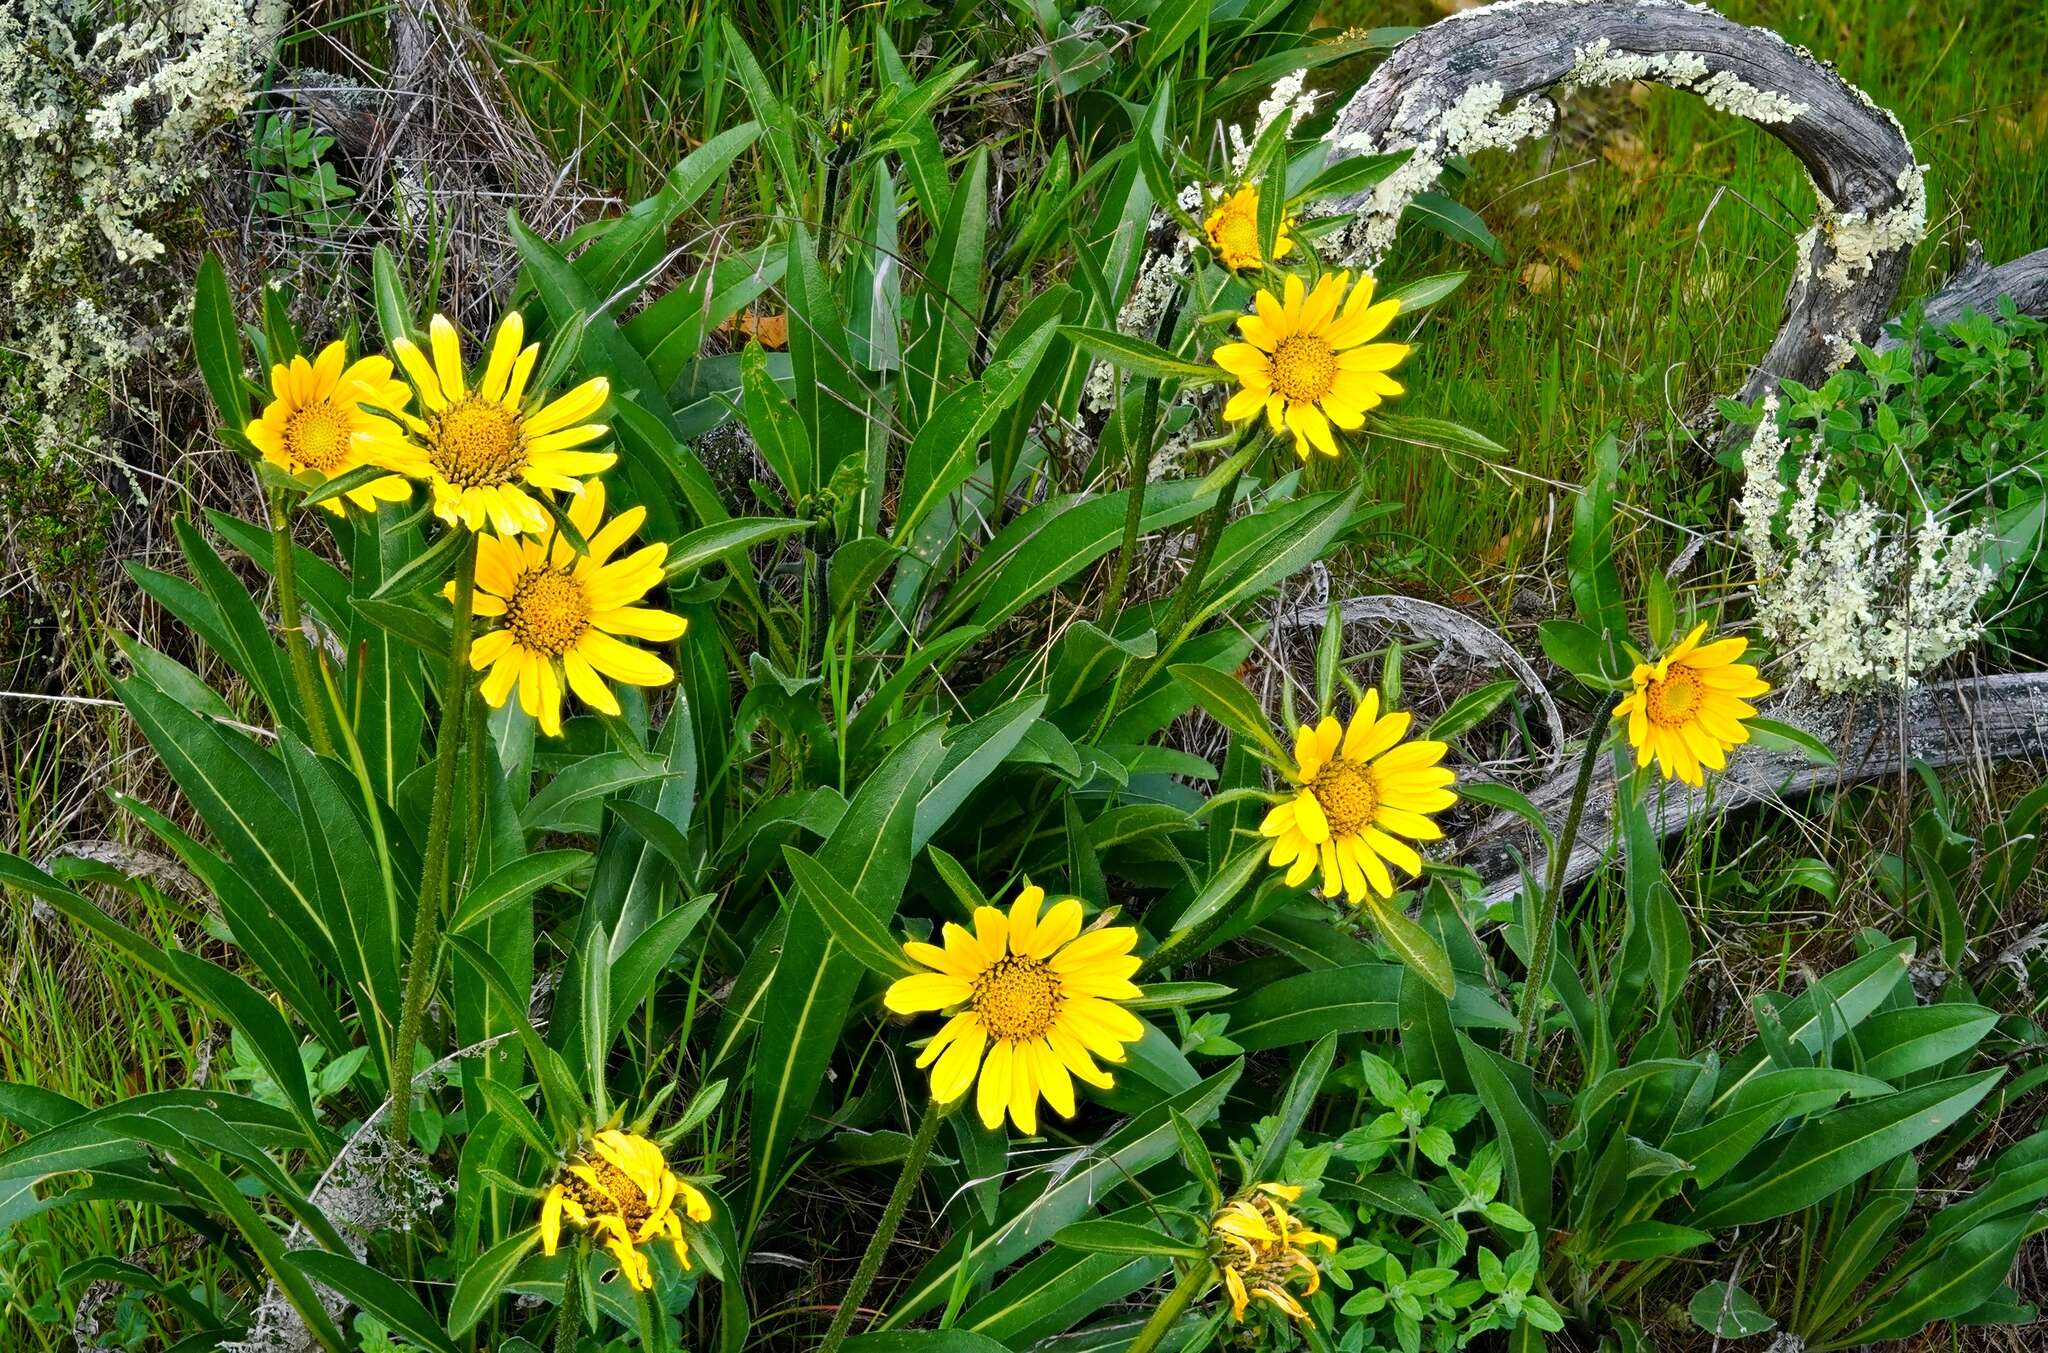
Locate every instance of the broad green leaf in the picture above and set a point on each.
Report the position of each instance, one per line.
(217, 346)
(1140, 357)
(514, 882)
(1967, 1274)
(1230, 702)
(1525, 1144)
(1727, 1312)
(1840, 1147)
(1898, 1043)
(1413, 945)
(1783, 737)
(1354, 999)
(1648, 1240)
(1100, 1236)
(482, 1281)
(375, 1294)
(1293, 1109)
(851, 924)
(776, 427)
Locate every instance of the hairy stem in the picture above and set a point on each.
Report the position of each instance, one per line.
(1553, 896)
(1191, 1285)
(569, 1315)
(425, 957)
(296, 649)
(892, 1217)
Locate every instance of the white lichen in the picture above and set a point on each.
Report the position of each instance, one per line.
(1858, 597)
(1857, 239)
(104, 112)
(1598, 64)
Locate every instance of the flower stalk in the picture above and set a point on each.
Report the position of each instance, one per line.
(425, 957)
(1192, 1284)
(1553, 894)
(892, 1217)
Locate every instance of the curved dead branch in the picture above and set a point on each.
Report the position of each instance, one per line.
(1950, 723)
(1478, 80)
(1976, 287)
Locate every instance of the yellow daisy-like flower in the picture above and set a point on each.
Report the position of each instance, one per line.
(1362, 789)
(559, 614)
(320, 422)
(621, 1189)
(1233, 231)
(1038, 997)
(1308, 360)
(1261, 1249)
(1687, 708)
(480, 448)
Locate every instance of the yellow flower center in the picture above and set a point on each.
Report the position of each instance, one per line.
(1304, 368)
(1348, 795)
(616, 1194)
(477, 444)
(548, 611)
(1017, 998)
(1673, 700)
(1234, 234)
(316, 436)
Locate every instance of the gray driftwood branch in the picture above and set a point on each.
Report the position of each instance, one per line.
(1950, 723)
(1480, 80)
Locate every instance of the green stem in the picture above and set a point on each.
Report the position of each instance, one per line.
(425, 957)
(892, 1216)
(1192, 1284)
(569, 1315)
(653, 1323)
(1553, 896)
(285, 567)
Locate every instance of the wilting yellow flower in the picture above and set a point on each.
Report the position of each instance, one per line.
(559, 612)
(318, 423)
(621, 1189)
(1039, 997)
(1308, 360)
(1261, 1248)
(1233, 231)
(480, 448)
(1687, 708)
(1362, 789)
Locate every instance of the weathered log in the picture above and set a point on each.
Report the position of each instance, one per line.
(1950, 723)
(1976, 287)
(1478, 80)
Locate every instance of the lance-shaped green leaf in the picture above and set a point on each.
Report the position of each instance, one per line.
(1229, 702)
(1840, 1147)
(514, 882)
(851, 924)
(1137, 356)
(1101, 1236)
(485, 1280)
(375, 1294)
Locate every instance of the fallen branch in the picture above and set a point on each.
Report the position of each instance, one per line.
(1477, 80)
(1976, 287)
(1950, 723)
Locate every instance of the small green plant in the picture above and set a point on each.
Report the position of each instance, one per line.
(298, 183)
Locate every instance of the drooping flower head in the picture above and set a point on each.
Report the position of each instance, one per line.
(1361, 790)
(560, 613)
(1262, 1250)
(1688, 706)
(482, 446)
(621, 1190)
(1233, 231)
(1308, 360)
(326, 417)
(1033, 993)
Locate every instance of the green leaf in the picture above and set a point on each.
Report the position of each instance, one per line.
(1470, 709)
(1648, 1240)
(1572, 646)
(1898, 1043)
(592, 777)
(1727, 1312)
(1230, 702)
(1413, 945)
(1967, 1274)
(1456, 221)
(394, 312)
(1121, 1237)
(1508, 801)
(1589, 557)
(1783, 737)
(1294, 1108)
(1359, 998)
(513, 882)
(851, 924)
(727, 541)
(1140, 357)
(485, 1278)
(1525, 1144)
(1353, 175)
(1840, 1147)
(346, 482)
(217, 346)
(775, 425)
(635, 971)
(375, 1294)
(1424, 292)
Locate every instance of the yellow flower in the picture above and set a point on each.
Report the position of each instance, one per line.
(558, 612)
(1261, 1247)
(1308, 362)
(480, 448)
(1362, 789)
(318, 423)
(621, 1189)
(1687, 708)
(1039, 997)
(1233, 231)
